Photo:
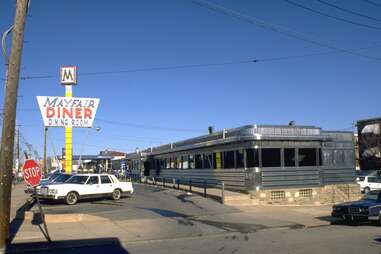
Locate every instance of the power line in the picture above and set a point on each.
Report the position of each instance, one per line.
(152, 127)
(372, 3)
(97, 146)
(147, 69)
(275, 28)
(349, 11)
(258, 60)
(331, 16)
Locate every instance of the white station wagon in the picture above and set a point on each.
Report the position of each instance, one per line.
(83, 186)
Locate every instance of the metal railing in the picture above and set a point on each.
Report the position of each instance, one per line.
(177, 183)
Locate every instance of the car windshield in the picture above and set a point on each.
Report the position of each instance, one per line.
(61, 178)
(371, 196)
(77, 179)
(53, 175)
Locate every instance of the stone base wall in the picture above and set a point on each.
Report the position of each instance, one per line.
(328, 194)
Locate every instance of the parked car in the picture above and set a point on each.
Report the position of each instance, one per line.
(84, 186)
(368, 183)
(366, 209)
(55, 179)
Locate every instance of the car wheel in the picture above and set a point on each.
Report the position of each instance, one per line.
(116, 194)
(71, 198)
(366, 190)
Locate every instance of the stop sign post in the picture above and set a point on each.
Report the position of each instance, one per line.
(32, 176)
(32, 173)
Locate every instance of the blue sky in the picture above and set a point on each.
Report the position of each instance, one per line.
(331, 91)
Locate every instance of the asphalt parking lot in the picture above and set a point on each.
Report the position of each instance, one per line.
(145, 203)
(157, 220)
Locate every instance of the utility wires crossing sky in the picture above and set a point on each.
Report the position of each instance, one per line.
(201, 65)
(275, 28)
(348, 11)
(331, 16)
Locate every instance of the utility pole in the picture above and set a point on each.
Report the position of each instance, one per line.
(8, 131)
(17, 152)
(45, 168)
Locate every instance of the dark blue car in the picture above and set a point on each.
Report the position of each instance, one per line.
(366, 209)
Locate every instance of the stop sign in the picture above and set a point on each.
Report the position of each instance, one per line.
(32, 173)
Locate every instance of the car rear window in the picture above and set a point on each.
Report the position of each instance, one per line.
(105, 179)
(361, 178)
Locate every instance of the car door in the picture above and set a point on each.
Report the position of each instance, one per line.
(377, 183)
(92, 186)
(106, 184)
(374, 183)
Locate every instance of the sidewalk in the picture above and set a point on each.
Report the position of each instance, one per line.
(19, 197)
(136, 230)
(86, 229)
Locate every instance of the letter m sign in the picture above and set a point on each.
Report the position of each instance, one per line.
(68, 75)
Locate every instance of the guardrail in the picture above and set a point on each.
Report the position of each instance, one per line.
(190, 185)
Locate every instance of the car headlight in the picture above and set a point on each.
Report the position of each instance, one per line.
(53, 191)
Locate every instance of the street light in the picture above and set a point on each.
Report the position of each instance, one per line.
(84, 142)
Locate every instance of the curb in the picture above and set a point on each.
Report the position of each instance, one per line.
(60, 245)
(65, 218)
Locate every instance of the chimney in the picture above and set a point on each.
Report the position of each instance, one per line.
(210, 129)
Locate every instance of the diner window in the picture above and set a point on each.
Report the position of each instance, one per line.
(217, 160)
(179, 162)
(327, 157)
(191, 161)
(320, 157)
(168, 163)
(289, 157)
(198, 161)
(239, 162)
(252, 158)
(307, 157)
(185, 162)
(173, 161)
(270, 157)
(349, 157)
(229, 159)
(162, 163)
(208, 160)
(338, 157)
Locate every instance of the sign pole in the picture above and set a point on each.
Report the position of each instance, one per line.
(68, 137)
(42, 214)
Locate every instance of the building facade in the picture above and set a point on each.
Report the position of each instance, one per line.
(255, 158)
(369, 142)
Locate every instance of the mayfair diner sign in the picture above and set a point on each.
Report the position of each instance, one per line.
(68, 111)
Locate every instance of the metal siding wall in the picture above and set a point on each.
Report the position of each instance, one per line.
(233, 178)
(338, 175)
(289, 177)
